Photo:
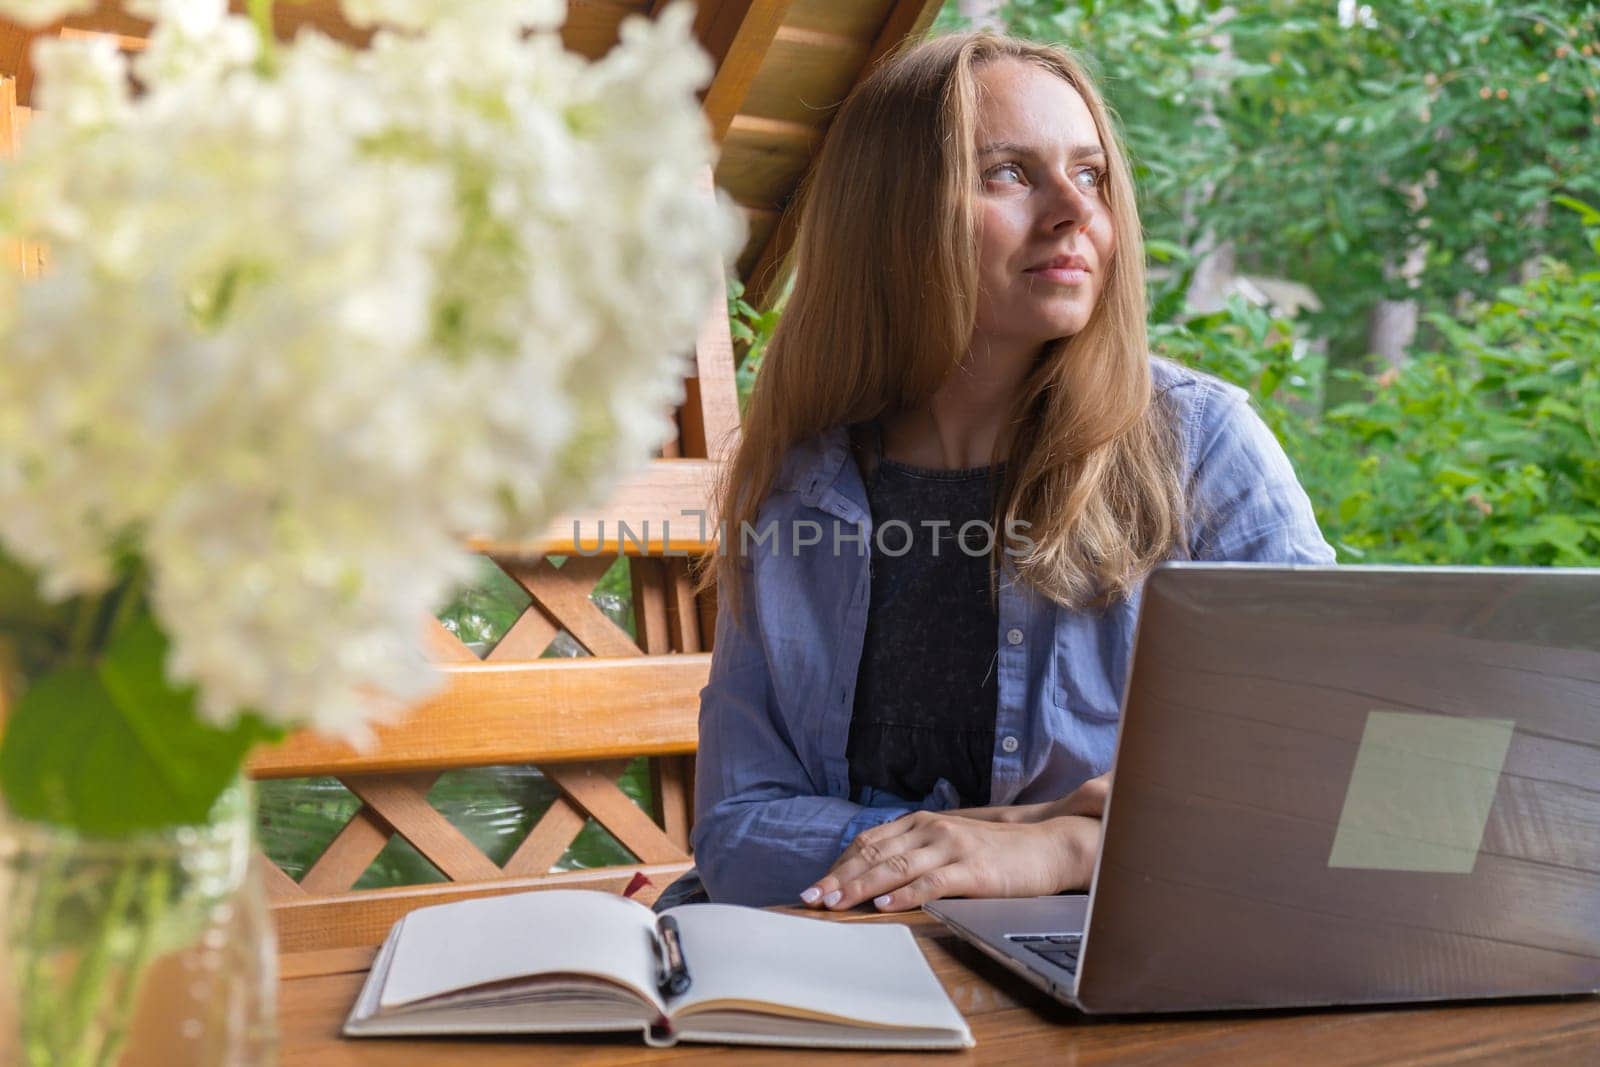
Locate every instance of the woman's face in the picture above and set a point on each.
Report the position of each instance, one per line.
(1045, 237)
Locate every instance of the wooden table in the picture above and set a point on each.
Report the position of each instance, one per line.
(1013, 1023)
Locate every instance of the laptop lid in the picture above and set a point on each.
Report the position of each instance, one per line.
(1352, 785)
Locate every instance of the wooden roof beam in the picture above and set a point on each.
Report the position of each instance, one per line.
(737, 34)
(907, 20)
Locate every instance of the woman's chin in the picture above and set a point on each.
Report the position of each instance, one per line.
(1064, 319)
(1062, 328)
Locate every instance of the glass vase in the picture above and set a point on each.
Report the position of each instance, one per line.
(155, 949)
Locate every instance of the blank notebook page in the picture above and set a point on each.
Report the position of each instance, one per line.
(855, 970)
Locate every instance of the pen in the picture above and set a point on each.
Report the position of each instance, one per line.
(674, 977)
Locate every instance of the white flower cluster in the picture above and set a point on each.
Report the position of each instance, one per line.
(307, 323)
(42, 12)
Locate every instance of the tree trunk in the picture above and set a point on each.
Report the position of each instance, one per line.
(1392, 324)
(1538, 221)
(1209, 284)
(1217, 260)
(1391, 327)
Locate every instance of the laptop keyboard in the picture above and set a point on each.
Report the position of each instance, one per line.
(1059, 949)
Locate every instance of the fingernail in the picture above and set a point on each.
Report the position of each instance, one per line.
(883, 901)
(810, 895)
(833, 898)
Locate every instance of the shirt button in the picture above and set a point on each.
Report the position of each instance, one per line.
(1008, 744)
(1014, 636)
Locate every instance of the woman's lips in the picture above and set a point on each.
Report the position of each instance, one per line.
(1061, 275)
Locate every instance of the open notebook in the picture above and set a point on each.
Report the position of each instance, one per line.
(569, 960)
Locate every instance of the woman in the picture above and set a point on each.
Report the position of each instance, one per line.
(896, 717)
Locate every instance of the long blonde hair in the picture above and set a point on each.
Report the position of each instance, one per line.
(882, 308)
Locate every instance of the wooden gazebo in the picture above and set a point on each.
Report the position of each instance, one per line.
(782, 68)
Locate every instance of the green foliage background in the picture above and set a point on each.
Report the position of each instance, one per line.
(1482, 450)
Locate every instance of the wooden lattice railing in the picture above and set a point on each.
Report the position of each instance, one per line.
(578, 720)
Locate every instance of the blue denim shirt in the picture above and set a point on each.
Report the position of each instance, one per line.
(772, 798)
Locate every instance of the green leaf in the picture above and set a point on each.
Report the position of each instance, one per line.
(19, 596)
(36, 630)
(1164, 251)
(1588, 214)
(1560, 531)
(1456, 478)
(111, 748)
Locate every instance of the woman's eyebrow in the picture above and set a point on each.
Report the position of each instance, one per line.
(1077, 152)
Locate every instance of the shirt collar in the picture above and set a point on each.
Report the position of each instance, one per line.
(819, 469)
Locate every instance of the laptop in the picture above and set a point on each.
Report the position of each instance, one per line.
(1335, 786)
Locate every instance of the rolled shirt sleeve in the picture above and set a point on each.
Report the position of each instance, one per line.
(764, 830)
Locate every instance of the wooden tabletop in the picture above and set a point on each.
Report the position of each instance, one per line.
(1012, 1022)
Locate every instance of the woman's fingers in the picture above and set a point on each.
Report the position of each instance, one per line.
(946, 880)
(870, 849)
(891, 876)
(940, 851)
(1024, 861)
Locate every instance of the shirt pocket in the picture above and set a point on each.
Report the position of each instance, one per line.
(1091, 662)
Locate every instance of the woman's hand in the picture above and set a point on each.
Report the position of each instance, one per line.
(929, 855)
(1088, 799)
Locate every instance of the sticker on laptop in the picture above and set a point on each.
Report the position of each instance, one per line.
(1420, 795)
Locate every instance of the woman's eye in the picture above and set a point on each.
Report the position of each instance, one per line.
(1088, 178)
(1005, 172)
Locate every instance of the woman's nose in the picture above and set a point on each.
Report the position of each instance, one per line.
(1067, 206)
